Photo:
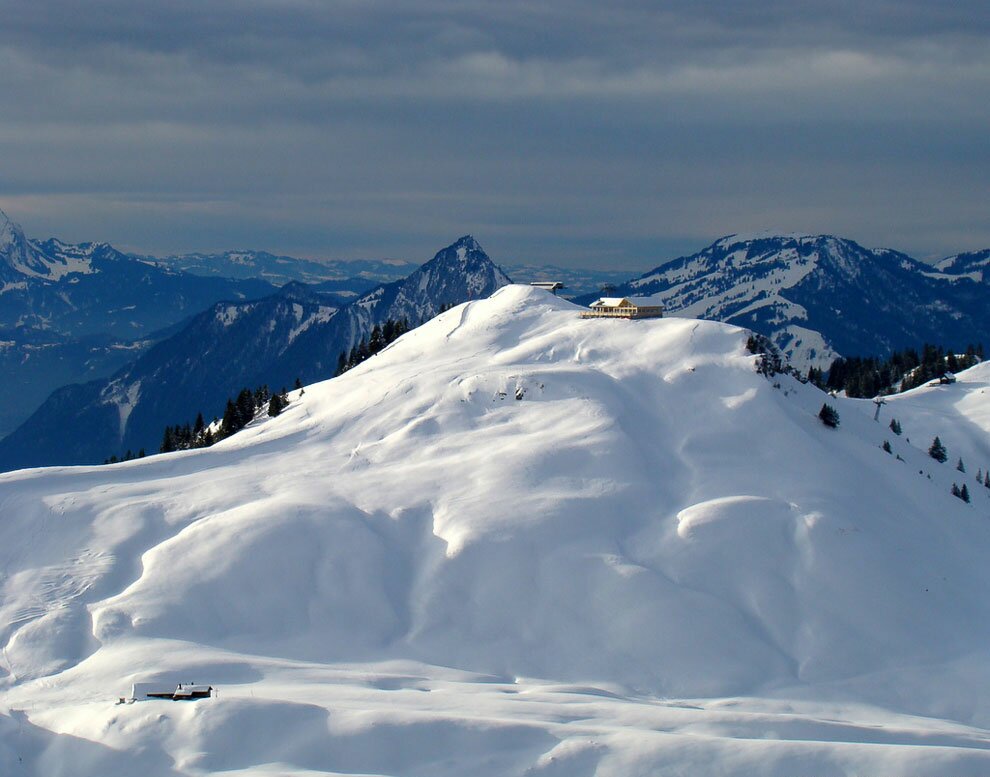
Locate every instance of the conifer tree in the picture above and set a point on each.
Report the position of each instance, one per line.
(895, 426)
(937, 451)
(960, 466)
(275, 405)
(168, 441)
(886, 446)
(829, 416)
(964, 493)
(229, 424)
(377, 341)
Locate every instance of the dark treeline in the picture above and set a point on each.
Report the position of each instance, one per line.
(902, 370)
(381, 336)
(238, 414)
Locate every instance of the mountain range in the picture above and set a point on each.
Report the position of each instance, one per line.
(88, 312)
(516, 542)
(70, 313)
(94, 289)
(295, 333)
(359, 274)
(820, 296)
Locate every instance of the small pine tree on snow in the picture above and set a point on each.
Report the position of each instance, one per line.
(299, 384)
(937, 451)
(955, 491)
(986, 478)
(886, 446)
(964, 493)
(960, 466)
(829, 416)
(895, 426)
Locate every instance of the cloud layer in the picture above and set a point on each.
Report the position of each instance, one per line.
(571, 131)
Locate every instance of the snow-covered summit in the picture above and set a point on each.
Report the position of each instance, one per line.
(738, 238)
(514, 539)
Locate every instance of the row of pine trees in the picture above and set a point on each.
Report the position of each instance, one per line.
(238, 413)
(902, 370)
(381, 336)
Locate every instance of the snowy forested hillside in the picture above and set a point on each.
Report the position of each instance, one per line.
(516, 542)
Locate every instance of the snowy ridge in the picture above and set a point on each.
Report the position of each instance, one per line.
(970, 265)
(513, 542)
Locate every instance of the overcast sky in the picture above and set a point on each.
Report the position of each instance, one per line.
(570, 131)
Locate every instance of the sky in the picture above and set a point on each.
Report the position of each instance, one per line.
(574, 132)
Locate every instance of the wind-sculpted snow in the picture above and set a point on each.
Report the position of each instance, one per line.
(513, 542)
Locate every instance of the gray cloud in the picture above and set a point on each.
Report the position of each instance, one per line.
(563, 130)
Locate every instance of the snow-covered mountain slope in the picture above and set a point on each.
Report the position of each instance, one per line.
(819, 296)
(514, 542)
(959, 414)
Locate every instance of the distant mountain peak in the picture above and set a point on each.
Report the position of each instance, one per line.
(468, 242)
(462, 249)
(11, 234)
(18, 258)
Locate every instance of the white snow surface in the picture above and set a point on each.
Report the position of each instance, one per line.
(656, 561)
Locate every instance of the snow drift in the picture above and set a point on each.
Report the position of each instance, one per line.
(513, 542)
